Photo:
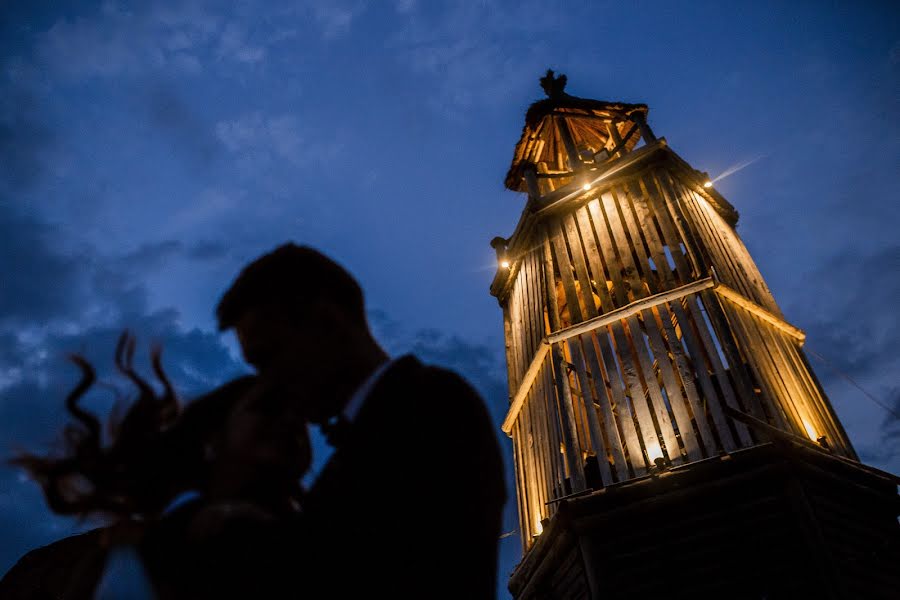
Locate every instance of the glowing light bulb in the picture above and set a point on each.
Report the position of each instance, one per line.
(810, 431)
(586, 187)
(707, 184)
(504, 264)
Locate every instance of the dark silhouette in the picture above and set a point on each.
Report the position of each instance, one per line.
(225, 446)
(134, 474)
(410, 503)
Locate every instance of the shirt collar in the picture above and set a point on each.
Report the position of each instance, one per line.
(362, 392)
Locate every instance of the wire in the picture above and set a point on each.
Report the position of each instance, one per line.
(853, 383)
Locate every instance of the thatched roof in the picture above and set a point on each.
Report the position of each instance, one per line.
(587, 119)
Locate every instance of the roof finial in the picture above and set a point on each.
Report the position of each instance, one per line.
(554, 87)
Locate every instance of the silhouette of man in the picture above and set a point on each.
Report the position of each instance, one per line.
(409, 505)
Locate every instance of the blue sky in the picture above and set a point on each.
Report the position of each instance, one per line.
(148, 150)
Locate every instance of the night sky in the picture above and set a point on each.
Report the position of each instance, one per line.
(149, 150)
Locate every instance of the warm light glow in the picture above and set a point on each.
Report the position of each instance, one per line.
(708, 184)
(504, 264)
(810, 431)
(586, 187)
(654, 451)
(538, 527)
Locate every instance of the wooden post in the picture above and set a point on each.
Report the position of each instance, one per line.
(646, 132)
(565, 134)
(613, 128)
(529, 172)
(564, 394)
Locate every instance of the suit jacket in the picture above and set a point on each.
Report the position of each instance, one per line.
(409, 506)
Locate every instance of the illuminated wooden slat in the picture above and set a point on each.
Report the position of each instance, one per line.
(564, 394)
(759, 311)
(592, 364)
(615, 396)
(631, 309)
(557, 238)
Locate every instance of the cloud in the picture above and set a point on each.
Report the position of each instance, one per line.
(335, 18)
(260, 141)
(850, 324)
(117, 42)
(182, 126)
(474, 54)
(233, 44)
(38, 283)
(80, 302)
(25, 137)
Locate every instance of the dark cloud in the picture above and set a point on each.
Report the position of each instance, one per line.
(853, 320)
(38, 283)
(182, 127)
(25, 137)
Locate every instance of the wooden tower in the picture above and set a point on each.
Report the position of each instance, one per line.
(670, 438)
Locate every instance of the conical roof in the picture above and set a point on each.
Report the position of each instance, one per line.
(588, 120)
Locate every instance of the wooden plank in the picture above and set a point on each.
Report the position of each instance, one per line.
(760, 312)
(631, 309)
(631, 249)
(704, 245)
(690, 231)
(627, 418)
(694, 370)
(761, 359)
(535, 449)
(539, 408)
(598, 396)
(608, 212)
(521, 484)
(564, 394)
(848, 450)
(660, 320)
(547, 392)
(596, 177)
(572, 301)
(508, 344)
(568, 141)
(600, 336)
(653, 347)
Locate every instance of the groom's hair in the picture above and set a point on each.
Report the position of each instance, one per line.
(291, 278)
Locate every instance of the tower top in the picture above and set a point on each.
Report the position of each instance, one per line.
(587, 123)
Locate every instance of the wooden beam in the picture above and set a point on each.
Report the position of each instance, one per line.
(596, 177)
(568, 141)
(630, 309)
(758, 311)
(531, 374)
(620, 145)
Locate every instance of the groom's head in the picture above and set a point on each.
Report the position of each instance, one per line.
(299, 317)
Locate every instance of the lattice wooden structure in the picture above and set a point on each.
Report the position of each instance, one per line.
(640, 336)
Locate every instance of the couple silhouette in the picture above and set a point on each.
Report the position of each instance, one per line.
(208, 495)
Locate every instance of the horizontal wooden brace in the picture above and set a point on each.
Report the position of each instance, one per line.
(631, 309)
(750, 306)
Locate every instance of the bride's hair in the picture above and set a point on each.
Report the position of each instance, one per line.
(132, 474)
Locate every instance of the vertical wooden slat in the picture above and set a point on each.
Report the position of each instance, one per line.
(656, 206)
(616, 391)
(538, 413)
(641, 225)
(570, 231)
(628, 249)
(625, 363)
(564, 394)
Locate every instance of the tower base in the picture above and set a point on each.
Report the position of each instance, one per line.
(775, 521)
